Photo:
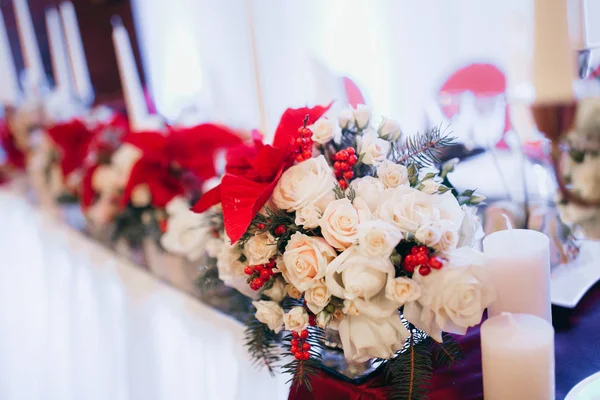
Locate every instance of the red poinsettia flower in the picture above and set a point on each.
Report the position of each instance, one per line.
(253, 170)
(73, 140)
(88, 194)
(14, 157)
(161, 182)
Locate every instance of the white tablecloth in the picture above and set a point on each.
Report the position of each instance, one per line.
(78, 323)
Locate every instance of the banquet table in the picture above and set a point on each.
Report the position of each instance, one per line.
(77, 322)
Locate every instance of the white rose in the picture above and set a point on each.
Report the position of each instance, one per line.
(402, 290)
(231, 270)
(362, 115)
(323, 319)
(364, 338)
(449, 237)
(308, 183)
(429, 186)
(470, 227)
(270, 314)
(103, 211)
(409, 208)
(389, 130)
(392, 175)
(277, 292)
(372, 149)
(186, 234)
(305, 260)
(317, 297)
(296, 319)
(141, 196)
(340, 221)
(361, 279)
(308, 216)
(452, 298)
(370, 190)
(378, 238)
(323, 131)
(105, 179)
(213, 246)
(345, 118)
(124, 159)
(429, 233)
(176, 205)
(260, 248)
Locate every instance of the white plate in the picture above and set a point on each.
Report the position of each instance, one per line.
(588, 389)
(570, 282)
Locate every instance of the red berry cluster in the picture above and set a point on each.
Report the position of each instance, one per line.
(304, 143)
(344, 160)
(300, 348)
(419, 257)
(260, 274)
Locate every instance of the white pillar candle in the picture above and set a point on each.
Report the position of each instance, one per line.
(130, 80)
(9, 83)
(29, 44)
(58, 51)
(517, 354)
(520, 270)
(554, 59)
(579, 37)
(81, 74)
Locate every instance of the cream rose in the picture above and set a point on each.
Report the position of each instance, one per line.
(105, 180)
(141, 196)
(392, 175)
(305, 260)
(429, 233)
(340, 221)
(296, 319)
(362, 280)
(260, 248)
(378, 238)
(372, 149)
(389, 130)
(370, 190)
(307, 183)
(345, 118)
(449, 237)
(308, 216)
(317, 297)
(402, 290)
(452, 298)
(270, 314)
(323, 131)
(362, 115)
(186, 234)
(409, 208)
(276, 292)
(231, 270)
(429, 186)
(364, 337)
(124, 159)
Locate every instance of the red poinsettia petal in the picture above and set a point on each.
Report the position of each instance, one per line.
(73, 139)
(208, 199)
(152, 143)
(292, 119)
(268, 162)
(14, 156)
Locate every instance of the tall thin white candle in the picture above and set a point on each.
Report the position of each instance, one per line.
(9, 83)
(81, 74)
(517, 354)
(58, 51)
(520, 270)
(29, 43)
(554, 60)
(260, 99)
(130, 80)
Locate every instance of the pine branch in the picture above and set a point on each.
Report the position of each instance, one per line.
(448, 352)
(261, 343)
(423, 149)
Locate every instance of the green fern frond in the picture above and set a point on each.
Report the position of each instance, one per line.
(448, 352)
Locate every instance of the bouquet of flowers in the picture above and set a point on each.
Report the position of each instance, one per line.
(341, 226)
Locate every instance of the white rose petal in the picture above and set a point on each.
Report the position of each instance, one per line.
(429, 186)
(270, 314)
(370, 190)
(323, 319)
(392, 175)
(317, 297)
(276, 292)
(323, 131)
(346, 118)
(186, 234)
(231, 270)
(449, 237)
(305, 260)
(308, 183)
(470, 227)
(340, 221)
(260, 248)
(176, 205)
(296, 319)
(378, 238)
(362, 115)
(402, 290)
(372, 149)
(389, 130)
(308, 216)
(453, 298)
(429, 233)
(364, 338)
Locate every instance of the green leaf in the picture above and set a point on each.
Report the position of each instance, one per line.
(468, 193)
(443, 189)
(429, 175)
(413, 174)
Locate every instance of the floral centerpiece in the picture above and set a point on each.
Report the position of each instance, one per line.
(341, 226)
